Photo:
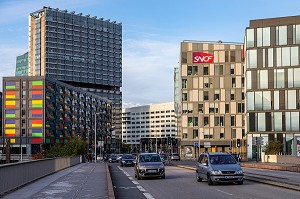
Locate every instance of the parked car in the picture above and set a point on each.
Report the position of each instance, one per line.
(175, 156)
(149, 165)
(127, 160)
(112, 158)
(218, 167)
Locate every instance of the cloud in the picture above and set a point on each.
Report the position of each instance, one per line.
(148, 71)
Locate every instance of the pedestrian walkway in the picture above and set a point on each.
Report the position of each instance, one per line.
(272, 166)
(86, 180)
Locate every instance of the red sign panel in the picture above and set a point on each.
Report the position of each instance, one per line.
(200, 58)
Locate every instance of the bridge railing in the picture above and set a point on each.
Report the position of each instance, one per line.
(15, 175)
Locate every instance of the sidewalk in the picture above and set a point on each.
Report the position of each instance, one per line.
(272, 166)
(85, 180)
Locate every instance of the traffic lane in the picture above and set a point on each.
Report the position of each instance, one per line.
(123, 186)
(181, 183)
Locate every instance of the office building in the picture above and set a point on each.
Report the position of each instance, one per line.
(272, 83)
(212, 98)
(39, 112)
(81, 50)
(147, 128)
(22, 65)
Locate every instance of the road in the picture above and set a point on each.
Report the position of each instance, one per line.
(181, 183)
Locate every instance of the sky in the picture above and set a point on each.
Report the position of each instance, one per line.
(152, 32)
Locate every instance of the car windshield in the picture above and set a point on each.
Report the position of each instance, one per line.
(222, 159)
(127, 157)
(149, 158)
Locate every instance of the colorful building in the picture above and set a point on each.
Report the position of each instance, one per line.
(39, 112)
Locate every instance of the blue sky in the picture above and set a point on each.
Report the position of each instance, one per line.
(152, 32)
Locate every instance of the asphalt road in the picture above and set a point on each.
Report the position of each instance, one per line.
(181, 183)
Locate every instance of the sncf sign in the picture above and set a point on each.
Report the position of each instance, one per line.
(200, 57)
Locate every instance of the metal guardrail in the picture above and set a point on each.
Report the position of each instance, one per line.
(18, 174)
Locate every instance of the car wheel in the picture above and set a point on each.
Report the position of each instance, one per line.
(163, 177)
(198, 177)
(241, 182)
(135, 175)
(138, 177)
(209, 181)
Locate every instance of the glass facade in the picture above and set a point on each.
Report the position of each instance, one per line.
(79, 50)
(273, 89)
(22, 65)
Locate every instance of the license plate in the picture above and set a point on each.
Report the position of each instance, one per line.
(152, 170)
(229, 176)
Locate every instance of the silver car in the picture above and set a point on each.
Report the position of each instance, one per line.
(218, 167)
(149, 165)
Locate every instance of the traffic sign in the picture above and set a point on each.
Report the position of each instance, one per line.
(207, 145)
(196, 144)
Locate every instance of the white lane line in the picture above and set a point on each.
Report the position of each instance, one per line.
(148, 196)
(127, 174)
(131, 178)
(141, 188)
(135, 182)
(224, 192)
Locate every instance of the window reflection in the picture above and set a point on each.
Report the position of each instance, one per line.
(250, 37)
(252, 59)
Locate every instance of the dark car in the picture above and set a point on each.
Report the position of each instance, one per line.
(112, 158)
(127, 160)
(149, 165)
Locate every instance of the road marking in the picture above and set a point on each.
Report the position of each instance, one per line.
(134, 182)
(141, 188)
(148, 196)
(127, 174)
(131, 178)
(224, 192)
(127, 187)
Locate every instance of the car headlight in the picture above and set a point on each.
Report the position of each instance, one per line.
(216, 172)
(123, 161)
(161, 166)
(142, 167)
(239, 172)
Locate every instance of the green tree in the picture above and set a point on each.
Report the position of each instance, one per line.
(273, 148)
(125, 147)
(75, 147)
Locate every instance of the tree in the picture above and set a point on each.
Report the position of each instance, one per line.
(274, 148)
(125, 148)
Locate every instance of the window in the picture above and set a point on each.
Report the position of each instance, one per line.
(281, 35)
(200, 108)
(252, 59)
(216, 97)
(226, 108)
(232, 121)
(233, 133)
(184, 83)
(205, 95)
(206, 120)
(263, 78)
(195, 133)
(233, 82)
(279, 78)
(231, 96)
(250, 37)
(241, 107)
(190, 70)
(205, 70)
(184, 96)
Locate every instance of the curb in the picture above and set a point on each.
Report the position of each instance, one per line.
(255, 179)
(110, 190)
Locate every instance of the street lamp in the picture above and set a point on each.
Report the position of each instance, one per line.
(95, 118)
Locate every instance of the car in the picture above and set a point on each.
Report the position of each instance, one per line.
(149, 165)
(218, 167)
(119, 157)
(112, 158)
(127, 160)
(175, 156)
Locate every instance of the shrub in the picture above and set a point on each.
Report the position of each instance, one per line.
(274, 148)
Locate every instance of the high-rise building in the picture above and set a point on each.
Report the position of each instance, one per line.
(22, 65)
(147, 128)
(80, 50)
(272, 83)
(212, 99)
(39, 112)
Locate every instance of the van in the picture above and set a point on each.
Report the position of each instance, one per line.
(218, 167)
